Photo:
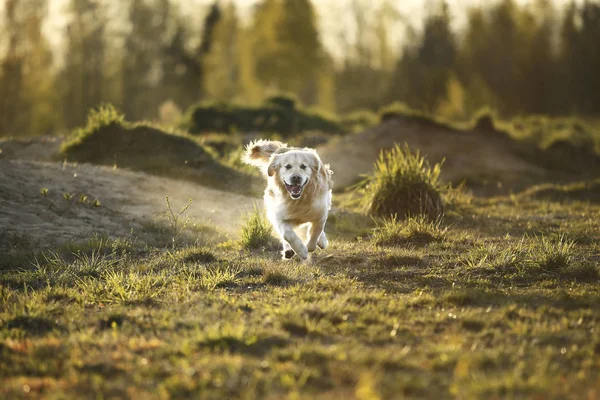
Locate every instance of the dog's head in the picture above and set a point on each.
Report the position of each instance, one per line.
(294, 170)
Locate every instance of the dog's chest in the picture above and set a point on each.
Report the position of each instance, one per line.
(302, 211)
(307, 211)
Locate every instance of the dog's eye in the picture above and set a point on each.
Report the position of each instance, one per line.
(303, 166)
(288, 166)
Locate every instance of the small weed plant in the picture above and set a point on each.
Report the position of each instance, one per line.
(176, 223)
(256, 231)
(555, 255)
(219, 277)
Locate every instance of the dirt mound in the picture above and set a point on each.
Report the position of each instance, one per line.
(485, 159)
(583, 191)
(34, 149)
(144, 148)
(565, 155)
(128, 201)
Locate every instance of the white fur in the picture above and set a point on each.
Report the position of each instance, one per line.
(279, 163)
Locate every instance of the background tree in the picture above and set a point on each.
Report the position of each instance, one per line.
(581, 58)
(423, 72)
(39, 100)
(300, 52)
(265, 45)
(139, 54)
(222, 60)
(26, 78)
(538, 64)
(83, 70)
(363, 74)
(11, 69)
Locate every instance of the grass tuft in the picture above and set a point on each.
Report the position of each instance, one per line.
(201, 255)
(276, 278)
(555, 255)
(282, 275)
(402, 183)
(256, 231)
(104, 116)
(490, 256)
(220, 277)
(416, 230)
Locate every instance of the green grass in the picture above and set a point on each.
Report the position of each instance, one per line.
(502, 301)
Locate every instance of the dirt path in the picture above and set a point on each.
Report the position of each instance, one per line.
(128, 200)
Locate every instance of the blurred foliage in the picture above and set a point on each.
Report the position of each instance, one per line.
(537, 58)
(279, 114)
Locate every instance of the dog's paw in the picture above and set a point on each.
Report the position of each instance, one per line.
(288, 254)
(323, 242)
(311, 248)
(303, 253)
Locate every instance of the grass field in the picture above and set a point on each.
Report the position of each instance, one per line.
(499, 299)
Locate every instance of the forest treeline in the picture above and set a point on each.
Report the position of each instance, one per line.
(152, 58)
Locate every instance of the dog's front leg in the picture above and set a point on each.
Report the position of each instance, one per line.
(315, 231)
(294, 241)
(323, 242)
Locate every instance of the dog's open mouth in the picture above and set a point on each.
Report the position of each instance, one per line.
(295, 190)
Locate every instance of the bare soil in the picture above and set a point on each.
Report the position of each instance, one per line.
(128, 201)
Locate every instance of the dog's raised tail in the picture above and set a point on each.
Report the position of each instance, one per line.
(259, 152)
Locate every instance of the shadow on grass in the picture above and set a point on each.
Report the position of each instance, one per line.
(112, 321)
(102, 368)
(34, 326)
(254, 347)
(483, 298)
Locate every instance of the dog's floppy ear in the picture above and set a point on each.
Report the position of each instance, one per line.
(272, 168)
(315, 162)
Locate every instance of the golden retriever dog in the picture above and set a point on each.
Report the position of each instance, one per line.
(298, 193)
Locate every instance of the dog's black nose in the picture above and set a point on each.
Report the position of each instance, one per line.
(296, 180)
